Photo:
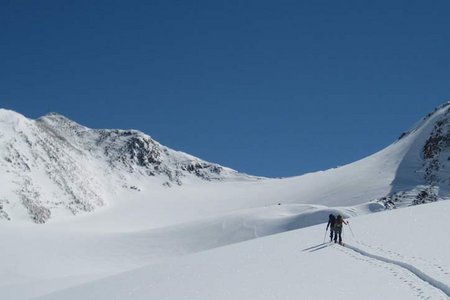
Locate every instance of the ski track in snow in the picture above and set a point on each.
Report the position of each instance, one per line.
(425, 286)
(404, 258)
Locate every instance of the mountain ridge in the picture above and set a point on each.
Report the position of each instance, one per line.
(54, 162)
(54, 166)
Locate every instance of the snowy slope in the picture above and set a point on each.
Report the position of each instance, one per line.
(53, 167)
(138, 203)
(377, 263)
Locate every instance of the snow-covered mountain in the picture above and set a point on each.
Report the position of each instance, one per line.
(423, 168)
(145, 216)
(53, 164)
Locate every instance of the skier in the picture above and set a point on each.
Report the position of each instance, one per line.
(331, 222)
(338, 228)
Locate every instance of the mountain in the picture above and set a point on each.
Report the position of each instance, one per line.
(145, 216)
(53, 165)
(423, 173)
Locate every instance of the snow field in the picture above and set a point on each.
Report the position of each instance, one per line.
(297, 264)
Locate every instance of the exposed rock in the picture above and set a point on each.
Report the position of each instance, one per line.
(436, 149)
(418, 195)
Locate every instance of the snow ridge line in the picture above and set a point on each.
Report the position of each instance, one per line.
(433, 282)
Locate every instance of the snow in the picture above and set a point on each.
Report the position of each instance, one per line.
(236, 256)
(114, 229)
(297, 265)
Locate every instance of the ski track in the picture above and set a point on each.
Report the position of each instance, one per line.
(405, 258)
(425, 286)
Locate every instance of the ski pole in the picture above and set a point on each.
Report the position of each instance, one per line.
(325, 236)
(348, 223)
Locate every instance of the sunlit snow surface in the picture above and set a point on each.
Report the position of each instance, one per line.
(404, 256)
(237, 237)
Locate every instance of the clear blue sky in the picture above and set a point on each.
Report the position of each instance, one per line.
(273, 88)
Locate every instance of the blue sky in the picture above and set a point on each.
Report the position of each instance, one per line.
(272, 88)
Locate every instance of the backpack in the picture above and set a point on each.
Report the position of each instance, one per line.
(339, 221)
(332, 219)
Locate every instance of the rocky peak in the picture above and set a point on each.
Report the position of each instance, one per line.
(430, 115)
(140, 154)
(436, 151)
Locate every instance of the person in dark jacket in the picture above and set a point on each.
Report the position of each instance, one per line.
(338, 228)
(331, 222)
